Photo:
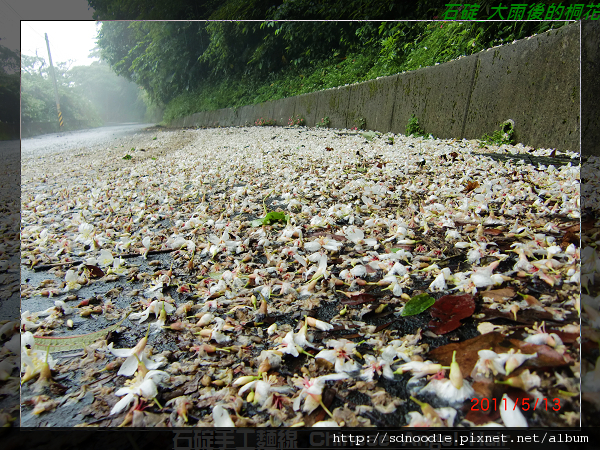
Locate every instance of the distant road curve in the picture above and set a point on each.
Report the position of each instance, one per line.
(57, 142)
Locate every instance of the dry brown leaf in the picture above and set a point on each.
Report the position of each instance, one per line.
(353, 293)
(532, 301)
(448, 311)
(493, 231)
(360, 299)
(524, 316)
(569, 238)
(471, 185)
(499, 295)
(95, 271)
(466, 352)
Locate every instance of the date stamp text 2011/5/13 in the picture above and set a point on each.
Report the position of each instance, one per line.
(526, 404)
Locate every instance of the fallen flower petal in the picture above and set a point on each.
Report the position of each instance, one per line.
(511, 414)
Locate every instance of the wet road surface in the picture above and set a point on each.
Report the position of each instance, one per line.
(57, 142)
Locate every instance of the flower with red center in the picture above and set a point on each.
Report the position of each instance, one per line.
(312, 389)
(340, 355)
(379, 366)
(440, 375)
(277, 401)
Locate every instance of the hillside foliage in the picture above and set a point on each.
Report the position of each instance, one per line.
(192, 66)
(89, 95)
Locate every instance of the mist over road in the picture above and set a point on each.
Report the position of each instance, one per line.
(57, 142)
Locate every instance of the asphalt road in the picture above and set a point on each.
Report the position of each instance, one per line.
(57, 142)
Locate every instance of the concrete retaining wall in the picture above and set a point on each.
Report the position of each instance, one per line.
(534, 82)
(590, 89)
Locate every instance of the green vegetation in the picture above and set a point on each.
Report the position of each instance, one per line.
(361, 123)
(271, 218)
(38, 101)
(265, 122)
(89, 95)
(296, 120)
(324, 123)
(369, 135)
(193, 66)
(413, 127)
(417, 305)
(9, 94)
(500, 137)
(127, 157)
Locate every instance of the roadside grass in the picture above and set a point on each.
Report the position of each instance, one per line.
(439, 42)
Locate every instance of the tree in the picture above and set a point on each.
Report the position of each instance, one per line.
(153, 9)
(161, 57)
(115, 98)
(9, 85)
(38, 103)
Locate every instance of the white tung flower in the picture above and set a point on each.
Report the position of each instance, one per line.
(32, 361)
(357, 236)
(217, 335)
(71, 281)
(439, 284)
(381, 366)
(155, 307)
(340, 355)
(482, 277)
(146, 244)
(419, 368)
(320, 269)
(503, 363)
(394, 284)
(86, 233)
(446, 390)
(118, 267)
(318, 324)
(452, 234)
(312, 389)
(397, 269)
(511, 414)
(124, 243)
(431, 417)
(28, 321)
(288, 345)
(105, 258)
(263, 388)
(134, 356)
(323, 242)
(143, 387)
(221, 417)
(300, 338)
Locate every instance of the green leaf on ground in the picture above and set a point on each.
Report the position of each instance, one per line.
(417, 305)
(270, 218)
(61, 344)
(369, 135)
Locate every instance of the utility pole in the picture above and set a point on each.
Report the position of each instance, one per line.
(60, 119)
